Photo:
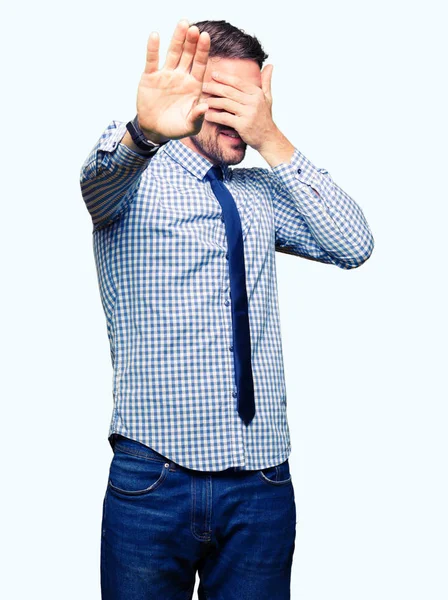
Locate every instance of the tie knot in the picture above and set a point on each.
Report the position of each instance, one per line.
(214, 172)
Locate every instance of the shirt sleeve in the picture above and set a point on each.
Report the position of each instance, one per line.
(314, 218)
(110, 175)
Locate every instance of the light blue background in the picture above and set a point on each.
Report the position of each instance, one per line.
(360, 89)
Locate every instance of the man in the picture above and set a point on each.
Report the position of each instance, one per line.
(185, 253)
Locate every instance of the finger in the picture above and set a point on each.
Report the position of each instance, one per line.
(152, 53)
(225, 104)
(236, 82)
(201, 56)
(226, 91)
(176, 45)
(189, 48)
(266, 77)
(223, 118)
(198, 112)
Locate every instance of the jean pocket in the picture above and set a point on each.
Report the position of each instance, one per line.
(276, 475)
(134, 475)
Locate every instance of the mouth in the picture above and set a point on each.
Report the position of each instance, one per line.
(230, 133)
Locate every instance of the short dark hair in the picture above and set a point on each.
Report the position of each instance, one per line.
(227, 41)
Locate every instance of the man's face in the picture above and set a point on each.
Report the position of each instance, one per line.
(210, 142)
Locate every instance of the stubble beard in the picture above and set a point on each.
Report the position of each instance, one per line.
(213, 149)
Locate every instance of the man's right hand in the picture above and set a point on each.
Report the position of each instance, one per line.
(168, 99)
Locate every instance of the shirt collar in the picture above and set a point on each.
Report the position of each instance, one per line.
(193, 162)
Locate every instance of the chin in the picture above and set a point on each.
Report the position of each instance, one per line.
(235, 160)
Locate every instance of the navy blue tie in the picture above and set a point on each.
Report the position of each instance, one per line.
(238, 295)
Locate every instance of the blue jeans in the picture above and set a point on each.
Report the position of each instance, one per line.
(162, 523)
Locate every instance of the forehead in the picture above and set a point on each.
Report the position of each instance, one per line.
(241, 67)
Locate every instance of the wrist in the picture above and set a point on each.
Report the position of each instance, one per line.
(129, 142)
(276, 149)
(152, 136)
(147, 141)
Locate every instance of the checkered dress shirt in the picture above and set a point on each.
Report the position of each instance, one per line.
(160, 252)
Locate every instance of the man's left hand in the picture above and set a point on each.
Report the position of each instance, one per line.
(247, 108)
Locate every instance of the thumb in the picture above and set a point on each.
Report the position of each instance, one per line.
(266, 76)
(198, 112)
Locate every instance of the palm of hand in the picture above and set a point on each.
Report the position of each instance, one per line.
(165, 98)
(168, 99)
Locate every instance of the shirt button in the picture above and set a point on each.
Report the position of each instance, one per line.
(299, 171)
(227, 302)
(231, 348)
(234, 394)
(227, 255)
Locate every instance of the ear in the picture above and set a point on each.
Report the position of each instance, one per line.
(266, 76)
